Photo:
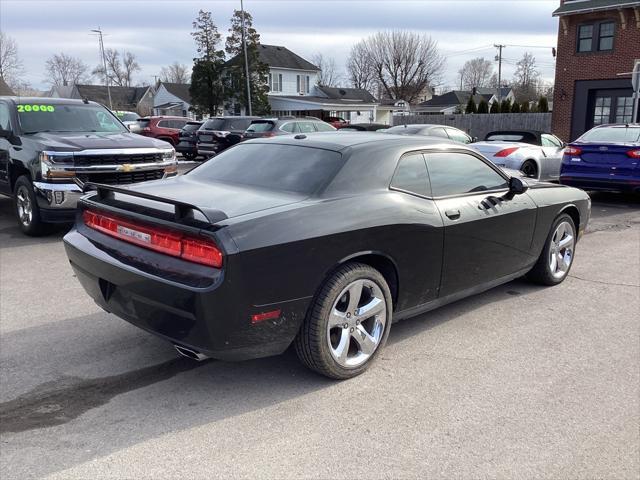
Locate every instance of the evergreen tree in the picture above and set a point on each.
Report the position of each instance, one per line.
(471, 106)
(258, 71)
(505, 106)
(525, 107)
(208, 89)
(543, 105)
(483, 107)
(515, 108)
(495, 107)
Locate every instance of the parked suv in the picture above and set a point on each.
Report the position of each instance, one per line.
(162, 128)
(219, 133)
(270, 127)
(49, 144)
(188, 145)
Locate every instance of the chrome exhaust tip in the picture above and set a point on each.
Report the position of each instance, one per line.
(192, 354)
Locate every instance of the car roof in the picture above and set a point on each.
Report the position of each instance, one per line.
(48, 100)
(619, 125)
(340, 141)
(233, 117)
(424, 125)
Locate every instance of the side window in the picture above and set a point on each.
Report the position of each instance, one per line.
(411, 175)
(5, 123)
(437, 132)
(163, 124)
(458, 136)
(306, 127)
(288, 127)
(454, 173)
(323, 127)
(549, 141)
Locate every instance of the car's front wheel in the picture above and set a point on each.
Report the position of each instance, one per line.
(26, 207)
(557, 255)
(530, 169)
(347, 324)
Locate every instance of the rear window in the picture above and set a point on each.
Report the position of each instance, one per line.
(285, 168)
(504, 137)
(402, 130)
(190, 127)
(612, 135)
(214, 124)
(261, 127)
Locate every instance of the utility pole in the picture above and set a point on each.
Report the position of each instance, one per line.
(246, 60)
(499, 58)
(104, 65)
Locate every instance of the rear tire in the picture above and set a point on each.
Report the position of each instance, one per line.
(189, 156)
(529, 169)
(347, 324)
(556, 259)
(26, 208)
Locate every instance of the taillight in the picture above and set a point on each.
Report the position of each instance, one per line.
(506, 152)
(192, 248)
(146, 130)
(633, 153)
(575, 151)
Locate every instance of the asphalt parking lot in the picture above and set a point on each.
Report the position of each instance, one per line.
(518, 382)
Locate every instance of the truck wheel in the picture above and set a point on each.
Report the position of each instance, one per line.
(26, 207)
(347, 324)
(557, 255)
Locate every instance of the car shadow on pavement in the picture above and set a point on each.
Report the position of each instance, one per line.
(87, 386)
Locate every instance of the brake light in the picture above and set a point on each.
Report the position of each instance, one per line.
(575, 151)
(191, 248)
(634, 154)
(506, 152)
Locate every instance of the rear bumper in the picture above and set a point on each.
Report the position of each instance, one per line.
(209, 317)
(210, 149)
(186, 147)
(586, 182)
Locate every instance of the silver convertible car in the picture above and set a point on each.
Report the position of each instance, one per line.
(536, 154)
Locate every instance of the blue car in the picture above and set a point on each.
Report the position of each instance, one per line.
(607, 157)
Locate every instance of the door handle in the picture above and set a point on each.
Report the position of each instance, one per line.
(452, 214)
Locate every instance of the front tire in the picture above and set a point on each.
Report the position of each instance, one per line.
(347, 324)
(26, 208)
(556, 258)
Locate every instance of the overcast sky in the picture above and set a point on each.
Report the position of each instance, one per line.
(157, 31)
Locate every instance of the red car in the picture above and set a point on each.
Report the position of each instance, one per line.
(162, 128)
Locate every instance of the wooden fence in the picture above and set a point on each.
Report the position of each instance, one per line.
(479, 124)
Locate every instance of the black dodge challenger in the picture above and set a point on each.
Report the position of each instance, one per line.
(319, 240)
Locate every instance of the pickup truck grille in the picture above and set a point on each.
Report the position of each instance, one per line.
(89, 160)
(122, 178)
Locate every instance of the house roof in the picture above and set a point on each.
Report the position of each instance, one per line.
(455, 97)
(4, 88)
(572, 7)
(504, 91)
(120, 96)
(281, 57)
(180, 90)
(357, 94)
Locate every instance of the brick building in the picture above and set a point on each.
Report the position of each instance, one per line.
(598, 45)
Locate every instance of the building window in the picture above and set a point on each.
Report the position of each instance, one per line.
(624, 110)
(597, 37)
(302, 83)
(602, 111)
(275, 82)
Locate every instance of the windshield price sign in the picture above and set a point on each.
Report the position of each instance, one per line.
(35, 108)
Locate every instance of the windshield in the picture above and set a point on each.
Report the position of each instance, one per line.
(286, 168)
(66, 118)
(612, 135)
(127, 116)
(261, 127)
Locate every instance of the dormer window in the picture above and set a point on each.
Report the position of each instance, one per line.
(596, 37)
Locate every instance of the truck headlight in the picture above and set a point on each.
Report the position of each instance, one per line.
(168, 155)
(56, 165)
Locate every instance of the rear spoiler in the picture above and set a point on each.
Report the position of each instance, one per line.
(182, 210)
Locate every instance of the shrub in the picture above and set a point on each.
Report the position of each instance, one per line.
(495, 107)
(471, 106)
(505, 106)
(515, 108)
(483, 107)
(525, 107)
(543, 105)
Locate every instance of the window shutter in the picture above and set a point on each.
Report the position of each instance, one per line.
(307, 84)
(298, 83)
(270, 82)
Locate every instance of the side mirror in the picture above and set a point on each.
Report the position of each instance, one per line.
(517, 186)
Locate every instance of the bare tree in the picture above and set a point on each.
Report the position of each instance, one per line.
(175, 73)
(63, 69)
(119, 71)
(405, 63)
(526, 78)
(476, 73)
(359, 69)
(328, 75)
(11, 67)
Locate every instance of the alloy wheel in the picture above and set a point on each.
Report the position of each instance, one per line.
(561, 250)
(23, 203)
(356, 323)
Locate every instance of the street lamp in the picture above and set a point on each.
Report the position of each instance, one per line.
(104, 65)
